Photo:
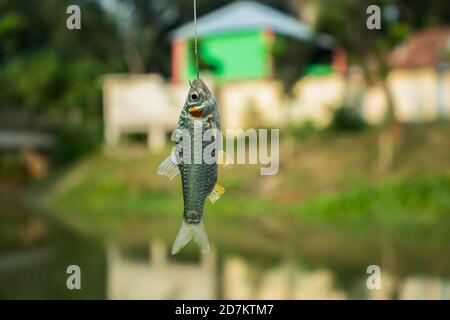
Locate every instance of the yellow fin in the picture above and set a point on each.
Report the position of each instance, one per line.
(225, 159)
(216, 193)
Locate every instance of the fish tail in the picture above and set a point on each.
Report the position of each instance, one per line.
(189, 231)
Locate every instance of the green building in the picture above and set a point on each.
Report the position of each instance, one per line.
(234, 41)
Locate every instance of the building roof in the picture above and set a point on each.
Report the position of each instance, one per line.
(244, 15)
(427, 48)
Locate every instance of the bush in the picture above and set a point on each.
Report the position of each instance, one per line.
(76, 141)
(302, 130)
(347, 119)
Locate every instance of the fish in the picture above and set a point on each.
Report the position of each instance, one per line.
(195, 158)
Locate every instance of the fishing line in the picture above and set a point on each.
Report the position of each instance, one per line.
(195, 38)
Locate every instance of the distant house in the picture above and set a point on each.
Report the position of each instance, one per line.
(418, 80)
(235, 41)
(420, 76)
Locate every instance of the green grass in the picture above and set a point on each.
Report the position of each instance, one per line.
(410, 199)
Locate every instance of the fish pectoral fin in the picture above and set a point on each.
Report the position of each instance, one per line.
(225, 159)
(169, 167)
(217, 192)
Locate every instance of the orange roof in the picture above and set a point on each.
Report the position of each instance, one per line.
(424, 49)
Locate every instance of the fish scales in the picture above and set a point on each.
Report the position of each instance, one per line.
(198, 179)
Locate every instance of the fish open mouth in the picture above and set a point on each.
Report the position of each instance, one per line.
(196, 112)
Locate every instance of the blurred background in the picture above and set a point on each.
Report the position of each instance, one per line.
(364, 179)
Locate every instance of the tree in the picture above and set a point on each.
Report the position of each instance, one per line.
(49, 72)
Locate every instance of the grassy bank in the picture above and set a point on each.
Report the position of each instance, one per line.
(415, 198)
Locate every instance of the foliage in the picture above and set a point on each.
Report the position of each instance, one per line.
(302, 130)
(50, 77)
(347, 119)
(410, 200)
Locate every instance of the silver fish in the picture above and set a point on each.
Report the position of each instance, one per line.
(199, 119)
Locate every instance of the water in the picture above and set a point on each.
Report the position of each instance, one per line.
(251, 258)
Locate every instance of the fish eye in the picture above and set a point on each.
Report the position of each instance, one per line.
(194, 96)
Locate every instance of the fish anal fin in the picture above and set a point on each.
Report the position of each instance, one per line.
(216, 193)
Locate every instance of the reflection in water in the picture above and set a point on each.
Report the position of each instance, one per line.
(425, 288)
(159, 278)
(285, 281)
(164, 278)
(34, 255)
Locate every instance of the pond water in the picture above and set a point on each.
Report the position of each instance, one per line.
(252, 258)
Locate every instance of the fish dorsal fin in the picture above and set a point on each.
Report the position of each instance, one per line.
(169, 167)
(217, 192)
